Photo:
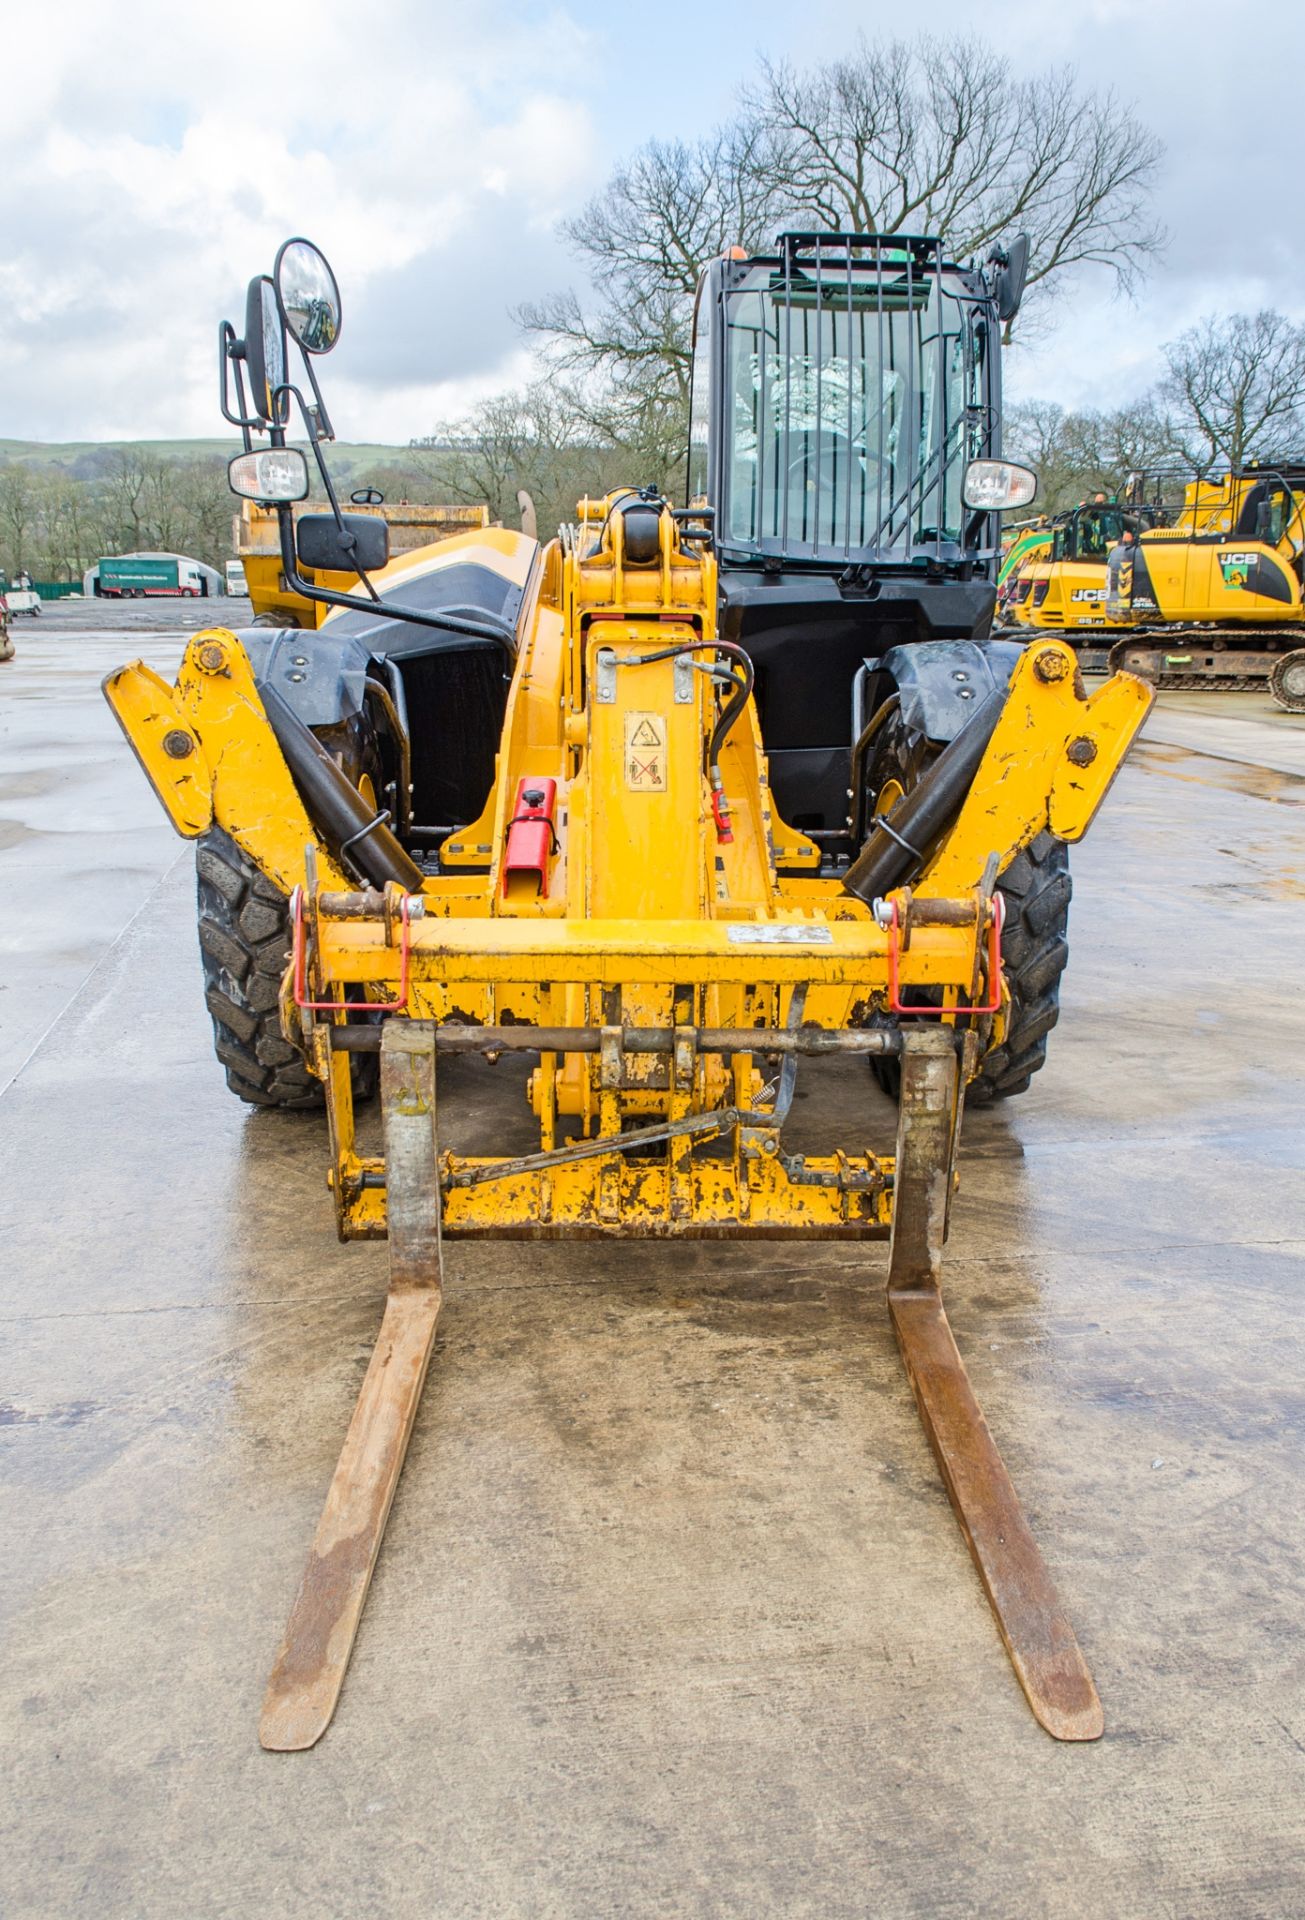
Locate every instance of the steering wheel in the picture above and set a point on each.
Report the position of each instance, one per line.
(835, 453)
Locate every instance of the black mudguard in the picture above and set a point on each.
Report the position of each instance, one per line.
(319, 677)
(943, 682)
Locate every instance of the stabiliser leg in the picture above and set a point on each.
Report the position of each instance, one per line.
(1038, 1637)
(310, 1667)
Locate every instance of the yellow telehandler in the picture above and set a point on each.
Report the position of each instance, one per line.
(660, 808)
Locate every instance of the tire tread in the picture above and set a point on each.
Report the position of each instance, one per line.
(244, 943)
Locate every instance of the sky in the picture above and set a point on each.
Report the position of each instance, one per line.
(150, 165)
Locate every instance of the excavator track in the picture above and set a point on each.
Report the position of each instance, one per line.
(1208, 683)
(1250, 667)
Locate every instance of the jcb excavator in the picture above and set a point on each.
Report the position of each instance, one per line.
(1054, 575)
(1211, 600)
(660, 808)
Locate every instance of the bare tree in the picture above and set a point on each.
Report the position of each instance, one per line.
(71, 535)
(545, 440)
(934, 136)
(1035, 433)
(403, 479)
(148, 501)
(1079, 454)
(939, 136)
(19, 513)
(1107, 447)
(645, 239)
(123, 490)
(202, 517)
(1235, 390)
(494, 451)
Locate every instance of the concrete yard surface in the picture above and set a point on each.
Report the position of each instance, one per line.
(1248, 726)
(672, 1617)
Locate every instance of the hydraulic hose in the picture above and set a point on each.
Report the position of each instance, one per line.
(896, 850)
(734, 706)
(334, 805)
(741, 684)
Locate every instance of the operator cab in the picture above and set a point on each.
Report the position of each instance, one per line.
(1090, 533)
(842, 388)
(1271, 510)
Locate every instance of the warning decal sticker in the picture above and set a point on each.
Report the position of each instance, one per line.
(645, 752)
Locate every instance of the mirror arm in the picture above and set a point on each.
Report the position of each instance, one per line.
(229, 357)
(281, 402)
(441, 622)
(347, 540)
(324, 429)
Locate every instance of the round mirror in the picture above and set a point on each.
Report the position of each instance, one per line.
(309, 297)
(273, 346)
(264, 350)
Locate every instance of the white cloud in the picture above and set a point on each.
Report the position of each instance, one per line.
(149, 171)
(1222, 97)
(151, 161)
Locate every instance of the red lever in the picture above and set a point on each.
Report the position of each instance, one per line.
(531, 835)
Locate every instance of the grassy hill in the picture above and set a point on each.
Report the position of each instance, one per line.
(64, 503)
(84, 459)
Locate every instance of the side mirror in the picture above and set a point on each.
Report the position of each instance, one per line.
(307, 295)
(264, 349)
(992, 486)
(274, 475)
(361, 546)
(1012, 270)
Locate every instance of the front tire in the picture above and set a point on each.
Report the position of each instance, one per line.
(1036, 888)
(244, 943)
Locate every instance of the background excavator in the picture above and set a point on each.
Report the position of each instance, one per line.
(1211, 598)
(1053, 574)
(657, 809)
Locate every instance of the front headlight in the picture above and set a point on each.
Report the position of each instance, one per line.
(993, 485)
(272, 475)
